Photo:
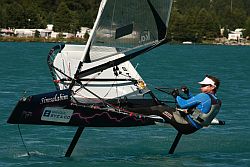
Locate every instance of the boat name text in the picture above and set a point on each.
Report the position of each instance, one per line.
(56, 98)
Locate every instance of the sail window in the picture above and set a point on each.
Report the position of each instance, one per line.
(123, 31)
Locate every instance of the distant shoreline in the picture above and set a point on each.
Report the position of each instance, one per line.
(49, 40)
(83, 41)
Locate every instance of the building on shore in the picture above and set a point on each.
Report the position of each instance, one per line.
(6, 32)
(236, 35)
(44, 33)
(83, 32)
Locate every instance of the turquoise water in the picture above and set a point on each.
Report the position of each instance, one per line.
(24, 69)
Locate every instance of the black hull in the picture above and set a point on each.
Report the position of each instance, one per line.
(55, 108)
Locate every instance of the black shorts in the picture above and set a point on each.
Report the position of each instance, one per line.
(177, 119)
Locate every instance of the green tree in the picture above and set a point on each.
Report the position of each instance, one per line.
(190, 19)
(206, 25)
(63, 20)
(247, 26)
(2, 16)
(176, 25)
(37, 34)
(32, 18)
(234, 19)
(86, 18)
(15, 16)
(225, 32)
(247, 6)
(191, 32)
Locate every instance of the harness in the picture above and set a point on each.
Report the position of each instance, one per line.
(204, 119)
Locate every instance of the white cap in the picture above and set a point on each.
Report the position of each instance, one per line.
(207, 81)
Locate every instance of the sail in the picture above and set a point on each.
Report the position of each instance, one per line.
(122, 31)
(128, 26)
(131, 24)
(122, 80)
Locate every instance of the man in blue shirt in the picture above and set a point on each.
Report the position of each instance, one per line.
(196, 111)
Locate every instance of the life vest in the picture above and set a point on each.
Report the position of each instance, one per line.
(204, 119)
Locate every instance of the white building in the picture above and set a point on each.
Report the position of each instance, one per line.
(45, 33)
(68, 35)
(31, 32)
(236, 35)
(54, 34)
(64, 35)
(6, 32)
(50, 27)
(82, 32)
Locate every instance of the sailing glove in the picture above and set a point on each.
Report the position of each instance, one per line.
(175, 93)
(185, 90)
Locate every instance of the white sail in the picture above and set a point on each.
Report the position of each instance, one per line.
(131, 24)
(123, 30)
(105, 84)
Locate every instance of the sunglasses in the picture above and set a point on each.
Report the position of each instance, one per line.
(205, 85)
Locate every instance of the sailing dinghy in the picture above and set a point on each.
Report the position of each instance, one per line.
(96, 84)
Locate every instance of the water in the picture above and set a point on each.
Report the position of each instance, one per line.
(23, 69)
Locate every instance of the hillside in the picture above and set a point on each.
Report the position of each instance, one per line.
(193, 20)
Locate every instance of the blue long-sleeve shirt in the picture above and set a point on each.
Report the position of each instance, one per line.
(201, 101)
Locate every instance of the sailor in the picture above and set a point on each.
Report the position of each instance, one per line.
(196, 111)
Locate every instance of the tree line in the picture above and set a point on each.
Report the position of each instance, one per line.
(197, 20)
(65, 15)
(192, 20)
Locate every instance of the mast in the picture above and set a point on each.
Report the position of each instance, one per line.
(85, 56)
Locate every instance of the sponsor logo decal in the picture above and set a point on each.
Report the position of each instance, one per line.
(56, 115)
(56, 98)
(168, 115)
(145, 36)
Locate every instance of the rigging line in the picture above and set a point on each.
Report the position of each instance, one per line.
(64, 68)
(112, 21)
(95, 100)
(117, 61)
(116, 108)
(116, 89)
(110, 88)
(80, 103)
(105, 102)
(59, 70)
(153, 85)
(94, 77)
(118, 99)
(23, 140)
(102, 100)
(127, 77)
(69, 69)
(63, 65)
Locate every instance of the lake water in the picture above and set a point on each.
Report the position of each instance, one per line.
(24, 69)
